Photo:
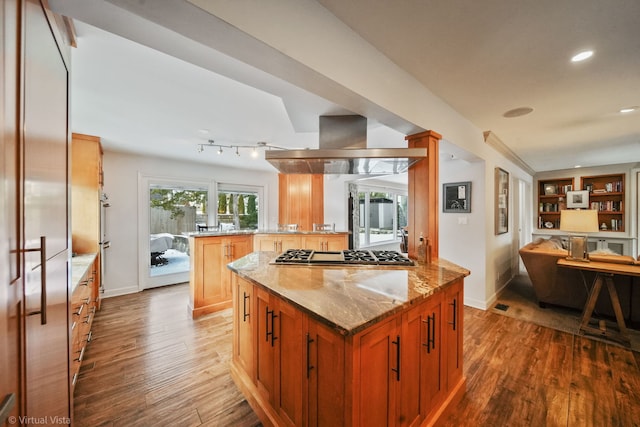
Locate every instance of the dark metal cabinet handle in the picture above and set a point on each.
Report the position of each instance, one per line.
(430, 323)
(273, 328)
(6, 407)
(244, 306)
(455, 314)
(43, 280)
(397, 368)
(272, 332)
(309, 365)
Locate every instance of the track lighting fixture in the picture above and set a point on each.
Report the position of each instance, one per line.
(254, 149)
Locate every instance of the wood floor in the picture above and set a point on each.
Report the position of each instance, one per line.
(150, 364)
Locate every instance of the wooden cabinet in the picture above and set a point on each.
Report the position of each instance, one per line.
(280, 242)
(244, 320)
(86, 188)
(210, 280)
(423, 381)
(410, 364)
(325, 242)
(402, 371)
(278, 374)
(552, 195)
(453, 326)
(277, 242)
(423, 187)
(378, 367)
(301, 200)
(432, 373)
(324, 389)
(607, 195)
(83, 308)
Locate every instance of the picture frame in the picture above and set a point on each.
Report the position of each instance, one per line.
(578, 199)
(501, 201)
(456, 197)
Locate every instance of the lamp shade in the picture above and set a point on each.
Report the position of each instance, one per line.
(579, 221)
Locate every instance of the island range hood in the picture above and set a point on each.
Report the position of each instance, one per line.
(343, 150)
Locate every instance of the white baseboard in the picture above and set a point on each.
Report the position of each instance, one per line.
(108, 293)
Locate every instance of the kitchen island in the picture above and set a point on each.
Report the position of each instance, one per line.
(347, 345)
(211, 251)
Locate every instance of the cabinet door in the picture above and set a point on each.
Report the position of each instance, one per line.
(46, 228)
(265, 242)
(336, 242)
(315, 241)
(378, 364)
(265, 376)
(277, 242)
(289, 241)
(233, 249)
(453, 332)
(325, 242)
(244, 336)
(288, 359)
(324, 360)
(413, 337)
(432, 372)
(211, 289)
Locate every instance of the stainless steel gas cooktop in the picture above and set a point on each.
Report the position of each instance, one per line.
(344, 257)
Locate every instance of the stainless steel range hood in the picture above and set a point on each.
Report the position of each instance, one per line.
(343, 150)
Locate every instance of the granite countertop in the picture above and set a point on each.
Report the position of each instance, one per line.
(79, 266)
(348, 298)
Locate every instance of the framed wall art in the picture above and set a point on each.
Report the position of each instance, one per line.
(456, 197)
(502, 201)
(578, 199)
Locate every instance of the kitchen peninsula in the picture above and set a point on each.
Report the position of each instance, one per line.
(211, 251)
(347, 345)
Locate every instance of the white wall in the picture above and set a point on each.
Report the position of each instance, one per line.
(121, 184)
(462, 235)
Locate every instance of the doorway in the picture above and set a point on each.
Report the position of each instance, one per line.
(168, 209)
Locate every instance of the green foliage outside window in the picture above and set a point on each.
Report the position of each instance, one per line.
(173, 200)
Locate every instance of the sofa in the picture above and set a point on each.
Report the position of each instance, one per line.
(569, 287)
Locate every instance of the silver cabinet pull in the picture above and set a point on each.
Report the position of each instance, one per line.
(43, 280)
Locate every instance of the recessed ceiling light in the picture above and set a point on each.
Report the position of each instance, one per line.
(517, 112)
(585, 54)
(203, 131)
(629, 109)
(577, 166)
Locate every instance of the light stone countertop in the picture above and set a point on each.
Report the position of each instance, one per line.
(348, 298)
(79, 266)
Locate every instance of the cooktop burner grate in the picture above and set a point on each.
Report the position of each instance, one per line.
(345, 257)
(391, 257)
(295, 255)
(358, 257)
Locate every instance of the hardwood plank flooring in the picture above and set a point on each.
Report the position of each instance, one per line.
(149, 364)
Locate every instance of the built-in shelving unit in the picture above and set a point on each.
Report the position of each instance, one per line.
(551, 199)
(606, 195)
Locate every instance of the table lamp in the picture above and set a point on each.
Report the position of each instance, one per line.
(577, 223)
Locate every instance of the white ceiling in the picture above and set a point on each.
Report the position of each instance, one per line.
(482, 58)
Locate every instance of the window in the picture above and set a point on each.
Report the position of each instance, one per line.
(383, 214)
(238, 207)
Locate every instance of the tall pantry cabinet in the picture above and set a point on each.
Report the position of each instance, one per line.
(35, 230)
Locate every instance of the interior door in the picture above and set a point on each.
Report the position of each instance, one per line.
(46, 227)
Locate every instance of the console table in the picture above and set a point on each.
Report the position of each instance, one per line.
(604, 274)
